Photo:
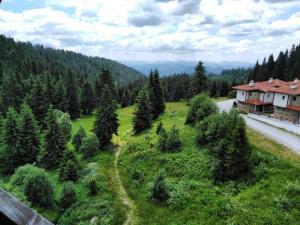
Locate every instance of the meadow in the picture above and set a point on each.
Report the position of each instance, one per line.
(271, 195)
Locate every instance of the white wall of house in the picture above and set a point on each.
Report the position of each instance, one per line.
(280, 100)
(241, 95)
(268, 97)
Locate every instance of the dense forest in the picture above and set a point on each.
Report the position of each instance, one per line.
(285, 67)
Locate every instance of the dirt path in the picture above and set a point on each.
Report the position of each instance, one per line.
(131, 218)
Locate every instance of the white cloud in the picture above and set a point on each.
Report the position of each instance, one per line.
(161, 29)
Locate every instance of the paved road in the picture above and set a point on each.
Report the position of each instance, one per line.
(283, 137)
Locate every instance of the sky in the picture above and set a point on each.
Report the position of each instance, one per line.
(157, 30)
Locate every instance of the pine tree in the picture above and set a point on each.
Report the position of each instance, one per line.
(106, 123)
(29, 136)
(59, 96)
(87, 98)
(104, 79)
(156, 98)
(271, 66)
(72, 101)
(199, 82)
(254, 73)
(280, 66)
(78, 138)
(54, 143)
(125, 99)
(142, 115)
(68, 167)
(213, 89)
(38, 103)
(11, 152)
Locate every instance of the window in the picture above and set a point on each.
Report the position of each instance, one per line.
(294, 98)
(283, 97)
(243, 93)
(268, 95)
(250, 94)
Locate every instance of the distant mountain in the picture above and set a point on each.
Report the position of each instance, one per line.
(168, 67)
(26, 58)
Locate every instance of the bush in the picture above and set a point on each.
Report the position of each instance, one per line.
(231, 94)
(159, 127)
(137, 175)
(69, 166)
(23, 173)
(169, 141)
(67, 196)
(201, 107)
(90, 146)
(158, 191)
(78, 138)
(92, 186)
(65, 124)
(39, 190)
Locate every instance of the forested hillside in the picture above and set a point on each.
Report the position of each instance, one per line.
(27, 59)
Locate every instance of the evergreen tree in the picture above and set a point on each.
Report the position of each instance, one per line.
(68, 167)
(156, 98)
(11, 151)
(38, 103)
(142, 115)
(78, 138)
(159, 190)
(87, 98)
(67, 196)
(199, 82)
(106, 123)
(213, 89)
(125, 99)
(72, 101)
(105, 79)
(29, 136)
(254, 73)
(54, 142)
(280, 66)
(59, 96)
(271, 66)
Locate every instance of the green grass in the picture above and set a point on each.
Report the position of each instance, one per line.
(195, 198)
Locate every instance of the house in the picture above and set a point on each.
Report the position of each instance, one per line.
(258, 97)
(287, 102)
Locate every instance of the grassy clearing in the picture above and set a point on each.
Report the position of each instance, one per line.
(195, 199)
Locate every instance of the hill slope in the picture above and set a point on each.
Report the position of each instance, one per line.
(35, 59)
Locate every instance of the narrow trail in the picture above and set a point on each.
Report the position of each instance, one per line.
(123, 195)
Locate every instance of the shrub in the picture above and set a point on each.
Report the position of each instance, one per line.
(159, 127)
(23, 173)
(169, 141)
(69, 166)
(137, 175)
(67, 196)
(201, 107)
(65, 124)
(231, 94)
(158, 191)
(39, 190)
(90, 146)
(78, 138)
(92, 186)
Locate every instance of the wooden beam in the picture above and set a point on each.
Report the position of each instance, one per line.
(19, 213)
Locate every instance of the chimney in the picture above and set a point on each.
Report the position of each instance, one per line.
(293, 86)
(296, 81)
(251, 83)
(271, 80)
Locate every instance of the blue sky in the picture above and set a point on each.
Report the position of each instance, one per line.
(157, 30)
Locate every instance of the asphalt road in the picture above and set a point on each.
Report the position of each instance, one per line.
(280, 136)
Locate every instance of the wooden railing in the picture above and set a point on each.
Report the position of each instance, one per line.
(18, 213)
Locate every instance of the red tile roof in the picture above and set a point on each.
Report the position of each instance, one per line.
(277, 86)
(256, 102)
(264, 86)
(294, 107)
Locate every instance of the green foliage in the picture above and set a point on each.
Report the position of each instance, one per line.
(106, 123)
(11, 152)
(39, 190)
(78, 138)
(69, 167)
(225, 136)
(65, 124)
(54, 142)
(142, 116)
(87, 98)
(23, 173)
(67, 196)
(72, 99)
(199, 83)
(158, 191)
(156, 98)
(92, 186)
(90, 146)
(159, 127)
(169, 140)
(201, 107)
(232, 94)
(29, 135)
(125, 99)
